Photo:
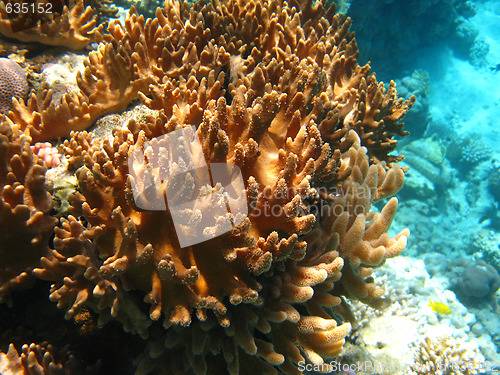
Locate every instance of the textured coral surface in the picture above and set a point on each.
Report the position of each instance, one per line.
(13, 83)
(273, 88)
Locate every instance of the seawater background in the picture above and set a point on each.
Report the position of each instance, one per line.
(447, 53)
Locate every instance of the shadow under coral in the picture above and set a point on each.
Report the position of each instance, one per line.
(37, 320)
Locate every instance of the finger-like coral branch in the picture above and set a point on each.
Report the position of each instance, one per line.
(39, 359)
(24, 211)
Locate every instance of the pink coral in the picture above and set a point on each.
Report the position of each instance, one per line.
(50, 156)
(12, 83)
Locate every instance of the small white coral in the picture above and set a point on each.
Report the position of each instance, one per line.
(61, 77)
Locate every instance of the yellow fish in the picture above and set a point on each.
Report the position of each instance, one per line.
(440, 308)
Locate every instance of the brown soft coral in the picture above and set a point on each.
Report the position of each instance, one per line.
(24, 211)
(143, 52)
(277, 93)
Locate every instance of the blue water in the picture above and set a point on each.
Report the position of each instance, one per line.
(447, 53)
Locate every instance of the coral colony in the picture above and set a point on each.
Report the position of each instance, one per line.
(13, 83)
(272, 89)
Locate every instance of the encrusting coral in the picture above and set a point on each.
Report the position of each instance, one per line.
(272, 88)
(13, 83)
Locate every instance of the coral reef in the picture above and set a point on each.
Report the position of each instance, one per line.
(13, 83)
(73, 27)
(128, 63)
(471, 151)
(410, 319)
(272, 88)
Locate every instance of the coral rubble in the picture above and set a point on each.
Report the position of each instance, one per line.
(272, 88)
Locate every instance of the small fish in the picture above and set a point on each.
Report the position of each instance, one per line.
(440, 308)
